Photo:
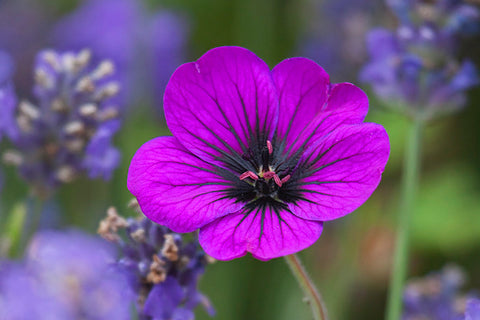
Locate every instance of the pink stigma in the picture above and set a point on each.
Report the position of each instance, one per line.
(248, 174)
(269, 147)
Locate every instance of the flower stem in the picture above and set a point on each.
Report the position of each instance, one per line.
(409, 188)
(314, 299)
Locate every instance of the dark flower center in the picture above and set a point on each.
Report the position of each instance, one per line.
(269, 181)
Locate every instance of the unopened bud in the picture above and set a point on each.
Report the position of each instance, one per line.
(138, 235)
(58, 105)
(29, 110)
(133, 204)
(12, 157)
(170, 249)
(85, 84)
(108, 113)
(157, 272)
(74, 128)
(104, 69)
(108, 91)
(43, 79)
(110, 225)
(68, 62)
(88, 110)
(82, 59)
(76, 145)
(65, 174)
(52, 59)
(24, 123)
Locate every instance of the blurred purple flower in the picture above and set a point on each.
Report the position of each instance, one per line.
(143, 46)
(65, 275)
(8, 101)
(259, 158)
(415, 69)
(18, 285)
(24, 28)
(473, 309)
(162, 267)
(68, 132)
(6, 68)
(437, 296)
(343, 51)
(454, 16)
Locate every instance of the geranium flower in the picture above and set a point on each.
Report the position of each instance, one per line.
(258, 158)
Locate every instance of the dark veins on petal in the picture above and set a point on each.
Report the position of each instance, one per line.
(267, 175)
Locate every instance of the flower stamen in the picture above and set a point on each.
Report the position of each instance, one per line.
(269, 174)
(248, 174)
(285, 179)
(277, 180)
(269, 147)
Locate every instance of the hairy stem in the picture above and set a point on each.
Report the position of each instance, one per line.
(409, 188)
(314, 299)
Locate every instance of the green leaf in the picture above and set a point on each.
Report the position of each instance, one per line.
(12, 232)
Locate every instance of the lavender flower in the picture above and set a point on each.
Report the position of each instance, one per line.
(6, 68)
(342, 52)
(473, 309)
(24, 28)
(142, 46)
(68, 132)
(454, 16)
(163, 269)
(437, 296)
(7, 97)
(415, 68)
(259, 158)
(66, 275)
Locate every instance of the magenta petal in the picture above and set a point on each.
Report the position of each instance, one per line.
(216, 104)
(234, 235)
(303, 87)
(310, 105)
(346, 104)
(344, 169)
(175, 188)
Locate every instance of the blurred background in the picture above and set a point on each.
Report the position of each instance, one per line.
(148, 39)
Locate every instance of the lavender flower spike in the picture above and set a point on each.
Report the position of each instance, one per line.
(68, 131)
(8, 99)
(472, 311)
(163, 269)
(438, 296)
(65, 275)
(259, 158)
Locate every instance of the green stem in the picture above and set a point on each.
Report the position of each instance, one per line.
(314, 299)
(409, 188)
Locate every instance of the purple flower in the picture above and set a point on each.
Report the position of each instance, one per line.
(69, 129)
(162, 267)
(437, 296)
(455, 17)
(23, 28)
(19, 284)
(341, 52)
(141, 45)
(472, 311)
(407, 70)
(66, 275)
(259, 158)
(8, 99)
(415, 68)
(6, 68)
